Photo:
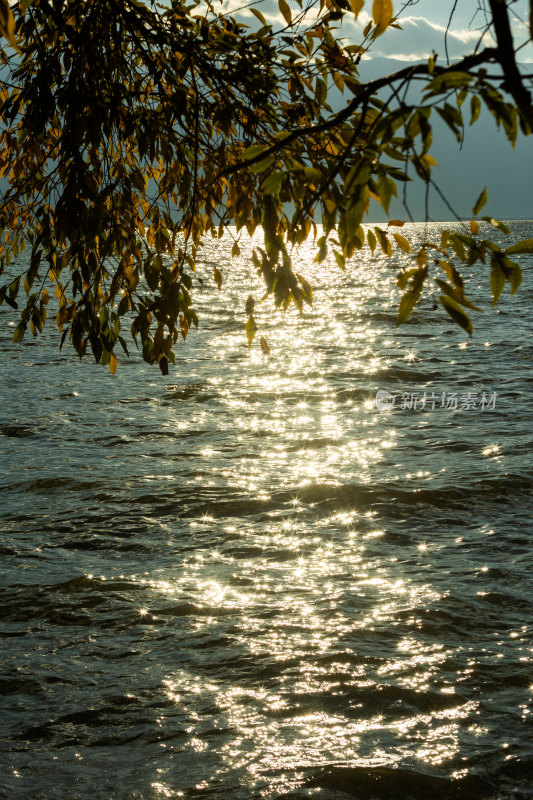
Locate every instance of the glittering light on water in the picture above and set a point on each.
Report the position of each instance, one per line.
(332, 633)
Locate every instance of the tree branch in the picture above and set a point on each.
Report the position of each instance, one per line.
(506, 57)
(366, 92)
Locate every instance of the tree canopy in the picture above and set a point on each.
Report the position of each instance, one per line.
(131, 131)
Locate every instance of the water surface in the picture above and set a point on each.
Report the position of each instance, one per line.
(243, 581)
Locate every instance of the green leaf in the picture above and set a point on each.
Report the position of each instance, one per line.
(514, 276)
(321, 91)
(262, 165)
(457, 313)
(18, 333)
(236, 131)
(525, 246)
(285, 11)
(423, 165)
(458, 247)
(124, 305)
(461, 97)
(312, 173)
(123, 345)
(475, 108)
(412, 295)
(407, 304)
(496, 223)
(448, 80)
(11, 302)
(480, 202)
(254, 151)
(403, 278)
(14, 287)
(386, 191)
(497, 281)
(453, 119)
(383, 240)
(271, 185)
(193, 317)
(259, 16)
(456, 294)
(339, 258)
(354, 215)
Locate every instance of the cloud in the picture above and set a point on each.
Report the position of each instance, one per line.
(420, 37)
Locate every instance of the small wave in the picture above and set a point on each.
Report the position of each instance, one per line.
(390, 783)
(17, 430)
(59, 483)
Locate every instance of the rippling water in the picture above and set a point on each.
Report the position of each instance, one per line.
(243, 581)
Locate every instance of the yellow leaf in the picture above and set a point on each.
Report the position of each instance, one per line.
(218, 277)
(429, 160)
(356, 6)
(331, 205)
(251, 329)
(112, 363)
(474, 226)
(307, 289)
(45, 297)
(382, 13)
(285, 10)
(264, 345)
(7, 23)
(421, 258)
(397, 222)
(259, 16)
(402, 243)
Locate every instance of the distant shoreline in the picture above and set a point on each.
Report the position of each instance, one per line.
(447, 221)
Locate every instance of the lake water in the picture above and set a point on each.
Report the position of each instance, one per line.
(244, 581)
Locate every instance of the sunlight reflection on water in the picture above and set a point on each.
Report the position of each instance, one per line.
(250, 581)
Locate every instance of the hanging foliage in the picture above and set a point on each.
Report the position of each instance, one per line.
(130, 131)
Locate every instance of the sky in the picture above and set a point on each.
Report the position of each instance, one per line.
(486, 158)
(423, 25)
